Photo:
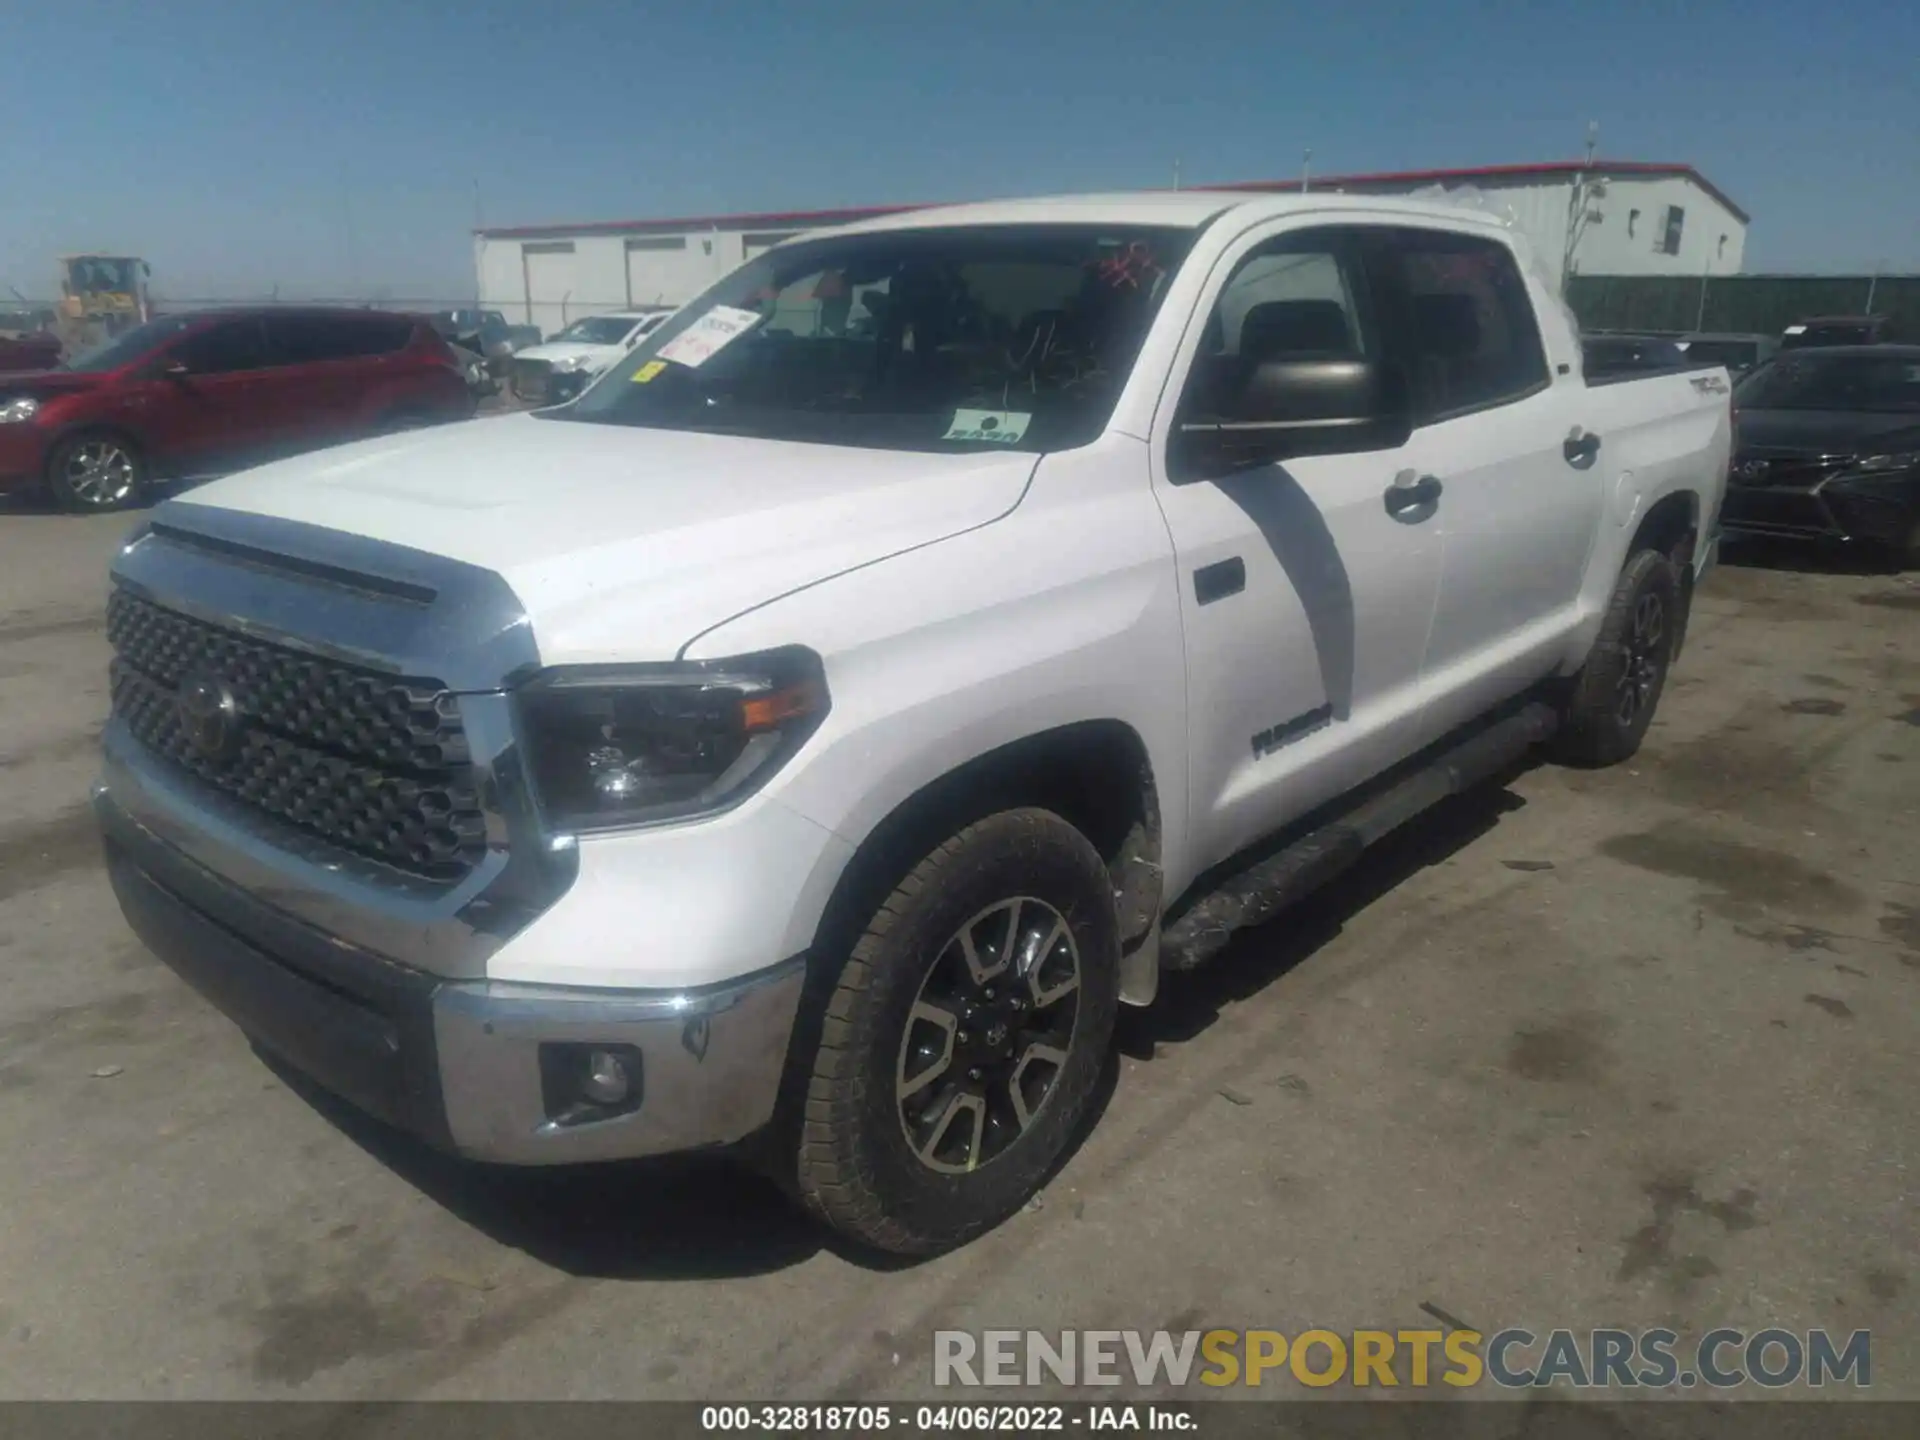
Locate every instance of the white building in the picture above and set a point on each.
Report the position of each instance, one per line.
(1639, 219)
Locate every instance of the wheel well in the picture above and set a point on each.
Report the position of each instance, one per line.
(1094, 774)
(1673, 528)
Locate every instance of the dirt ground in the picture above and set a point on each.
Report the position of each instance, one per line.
(1625, 1048)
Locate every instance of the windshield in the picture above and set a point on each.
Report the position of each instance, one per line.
(1879, 383)
(941, 339)
(131, 346)
(598, 330)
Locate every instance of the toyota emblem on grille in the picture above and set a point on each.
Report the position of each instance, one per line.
(209, 716)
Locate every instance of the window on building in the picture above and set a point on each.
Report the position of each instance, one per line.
(1671, 222)
(657, 242)
(1633, 219)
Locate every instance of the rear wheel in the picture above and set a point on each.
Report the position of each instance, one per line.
(1614, 696)
(965, 1036)
(95, 473)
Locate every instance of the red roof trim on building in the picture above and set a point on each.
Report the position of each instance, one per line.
(774, 219)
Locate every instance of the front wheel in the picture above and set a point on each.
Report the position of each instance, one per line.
(961, 1046)
(93, 474)
(1614, 695)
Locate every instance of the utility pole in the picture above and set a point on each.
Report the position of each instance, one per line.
(1577, 209)
(1306, 170)
(1176, 174)
(353, 248)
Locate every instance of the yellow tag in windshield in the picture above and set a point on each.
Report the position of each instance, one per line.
(647, 371)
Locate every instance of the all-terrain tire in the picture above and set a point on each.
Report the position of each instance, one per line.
(1611, 701)
(857, 1167)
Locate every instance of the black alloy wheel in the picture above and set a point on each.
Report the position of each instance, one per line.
(989, 1035)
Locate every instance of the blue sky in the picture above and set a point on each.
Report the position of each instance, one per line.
(340, 148)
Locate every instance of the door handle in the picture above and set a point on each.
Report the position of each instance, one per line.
(1580, 446)
(1410, 491)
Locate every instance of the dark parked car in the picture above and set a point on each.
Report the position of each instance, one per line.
(192, 395)
(1827, 447)
(1605, 356)
(1739, 353)
(486, 333)
(1826, 330)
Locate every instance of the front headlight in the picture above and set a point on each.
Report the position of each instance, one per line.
(572, 363)
(615, 746)
(13, 412)
(1902, 460)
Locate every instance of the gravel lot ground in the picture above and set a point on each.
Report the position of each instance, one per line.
(1628, 1048)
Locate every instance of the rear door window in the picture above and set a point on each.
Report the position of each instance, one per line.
(317, 339)
(1466, 320)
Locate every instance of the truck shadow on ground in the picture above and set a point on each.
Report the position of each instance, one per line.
(707, 1216)
(688, 1217)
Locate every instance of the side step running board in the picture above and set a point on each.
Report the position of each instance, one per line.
(1263, 888)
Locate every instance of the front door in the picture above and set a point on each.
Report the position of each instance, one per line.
(1307, 591)
(208, 417)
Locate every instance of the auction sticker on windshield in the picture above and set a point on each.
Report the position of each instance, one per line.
(708, 335)
(647, 371)
(1004, 427)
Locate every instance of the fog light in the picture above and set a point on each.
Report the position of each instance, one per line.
(583, 1083)
(607, 1081)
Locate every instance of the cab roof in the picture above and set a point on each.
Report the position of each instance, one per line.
(1182, 209)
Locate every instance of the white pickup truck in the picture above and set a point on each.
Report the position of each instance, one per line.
(804, 740)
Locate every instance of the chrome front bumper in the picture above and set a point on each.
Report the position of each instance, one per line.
(456, 1062)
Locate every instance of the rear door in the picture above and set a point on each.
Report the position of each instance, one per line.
(1306, 590)
(330, 374)
(1521, 497)
(208, 416)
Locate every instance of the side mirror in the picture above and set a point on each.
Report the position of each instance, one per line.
(1279, 409)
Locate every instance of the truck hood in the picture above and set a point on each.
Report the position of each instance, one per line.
(624, 544)
(598, 356)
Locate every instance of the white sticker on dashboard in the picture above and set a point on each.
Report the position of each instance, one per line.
(708, 336)
(1002, 427)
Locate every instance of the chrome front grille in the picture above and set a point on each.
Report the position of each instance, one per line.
(1760, 470)
(375, 764)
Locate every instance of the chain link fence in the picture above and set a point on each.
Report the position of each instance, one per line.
(1741, 304)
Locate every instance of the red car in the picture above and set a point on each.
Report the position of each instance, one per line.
(186, 396)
